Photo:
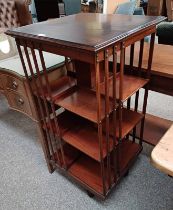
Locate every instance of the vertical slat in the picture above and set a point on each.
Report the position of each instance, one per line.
(121, 88)
(69, 65)
(115, 155)
(120, 107)
(41, 89)
(150, 59)
(139, 70)
(42, 136)
(139, 74)
(132, 48)
(36, 89)
(52, 105)
(100, 137)
(140, 56)
(107, 116)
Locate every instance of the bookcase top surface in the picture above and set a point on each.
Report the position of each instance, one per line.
(91, 31)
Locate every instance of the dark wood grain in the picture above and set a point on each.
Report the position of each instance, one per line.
(97, 32)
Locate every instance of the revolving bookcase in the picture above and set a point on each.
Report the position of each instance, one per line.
(85, 122)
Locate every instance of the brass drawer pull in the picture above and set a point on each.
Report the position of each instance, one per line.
(14, 85)
(20, 101)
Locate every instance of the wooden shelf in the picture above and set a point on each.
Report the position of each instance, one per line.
(66, 120)
(129, 120)
(87, 170)
(85, 138)
(131, 84)
(81, 134)
(60, 87)
(83, 102)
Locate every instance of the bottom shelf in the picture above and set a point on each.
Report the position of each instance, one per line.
(87, 171)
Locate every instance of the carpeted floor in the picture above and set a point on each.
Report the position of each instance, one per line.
(26, 184)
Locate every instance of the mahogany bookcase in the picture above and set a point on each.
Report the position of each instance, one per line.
(84, 119)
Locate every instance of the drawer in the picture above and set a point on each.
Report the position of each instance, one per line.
(19, 102)
(13, 83)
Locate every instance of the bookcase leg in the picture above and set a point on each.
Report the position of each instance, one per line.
(91, 195)
(45, 149)
(127, 173)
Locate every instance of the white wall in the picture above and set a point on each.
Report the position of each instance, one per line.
(110, 5)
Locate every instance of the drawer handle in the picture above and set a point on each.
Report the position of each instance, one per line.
(20, 101)
(14, 85)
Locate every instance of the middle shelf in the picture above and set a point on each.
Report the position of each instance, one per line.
(83, 102)
(83, 135)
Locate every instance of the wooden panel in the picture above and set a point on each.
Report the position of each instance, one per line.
(59, 87)
(85, 73)
(128, 153)
(155, 128)
(161, 84)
